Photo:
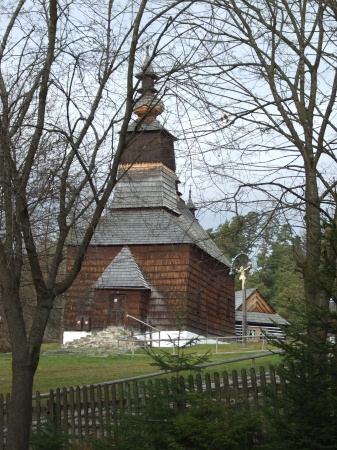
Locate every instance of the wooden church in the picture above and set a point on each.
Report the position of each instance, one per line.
(150, 263)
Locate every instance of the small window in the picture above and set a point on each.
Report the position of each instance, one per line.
(79, 323)
(252, 333)
(218, 306)
(86, 323)
(228, 310)
(199, 303)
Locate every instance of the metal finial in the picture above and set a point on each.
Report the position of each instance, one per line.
(147, 65)
(190, 194)
(190, 204)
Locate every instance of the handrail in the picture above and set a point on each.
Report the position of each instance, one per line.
(209, 338)
(138, 320)
(173, 341)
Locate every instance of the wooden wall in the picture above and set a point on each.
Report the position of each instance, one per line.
(257, 303)
(211, 296)
(177, 275)
(151, 146)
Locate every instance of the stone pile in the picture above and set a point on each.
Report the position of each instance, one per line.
(105, 339)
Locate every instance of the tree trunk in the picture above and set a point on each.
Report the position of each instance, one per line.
(314, 273)
(25, 358)
(20, 411)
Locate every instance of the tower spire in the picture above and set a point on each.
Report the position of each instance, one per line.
(147, 68)
(150, 142)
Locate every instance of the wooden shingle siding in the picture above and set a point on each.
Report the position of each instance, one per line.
(209, 278)
(178, 273)
(151, 145)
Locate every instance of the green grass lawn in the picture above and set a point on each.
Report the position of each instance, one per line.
(59, 370)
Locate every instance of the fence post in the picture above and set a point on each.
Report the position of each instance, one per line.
(121, 397)
(208, 383)
(181, 392)
(263, 384)
(72, 412)
(216, 345)
(100, 403)
(8, 405)
(128, 398)
(174, 391)
(245, 389)
(1, 422)
(235, 385)
(273, 384)
(58, 409)
(79, 414)
(254, 389)
(65, 407)
(93, 409)
(199, 383)
(107, 410)
(52, 408)
(136, 402)
(114, 405)
(191, 383)
(217, 387)
(37, 409)
(85, 409)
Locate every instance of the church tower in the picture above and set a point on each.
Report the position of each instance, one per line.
(149, 140)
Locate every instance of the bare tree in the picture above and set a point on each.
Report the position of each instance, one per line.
(268, 80)
(66, 88)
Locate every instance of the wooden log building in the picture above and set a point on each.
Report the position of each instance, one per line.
(149, 257)
(262, 319)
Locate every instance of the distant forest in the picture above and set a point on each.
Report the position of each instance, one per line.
(276, 254)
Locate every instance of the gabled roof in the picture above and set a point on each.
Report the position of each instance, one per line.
(197, 235)
(122, 272)
(257, 317)
(238, 296)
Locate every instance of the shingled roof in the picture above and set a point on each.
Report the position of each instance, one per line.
(261, 318)
(153, 226)
(122, 272)
(238, 296)
(154, 125)
(141, 187)
(256, 317)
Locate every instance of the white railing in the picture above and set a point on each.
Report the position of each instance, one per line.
(135, 340)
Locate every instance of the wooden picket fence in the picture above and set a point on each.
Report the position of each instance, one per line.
(96, 410)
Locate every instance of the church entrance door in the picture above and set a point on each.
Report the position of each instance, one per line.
(116, 310)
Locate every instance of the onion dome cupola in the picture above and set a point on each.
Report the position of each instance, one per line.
(149, 142)
(149, 106)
